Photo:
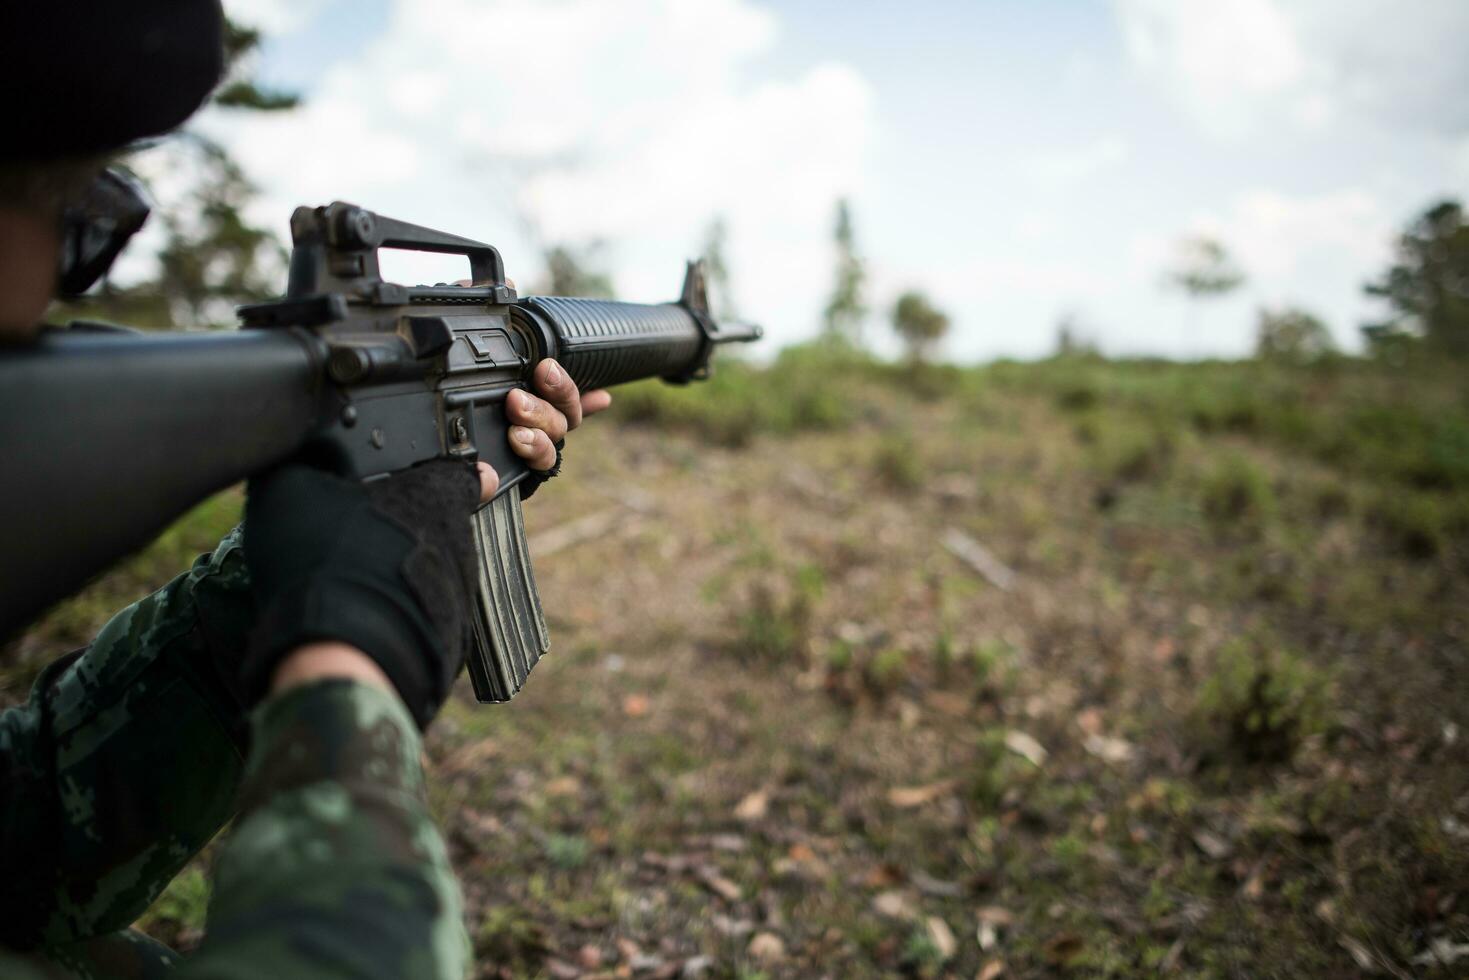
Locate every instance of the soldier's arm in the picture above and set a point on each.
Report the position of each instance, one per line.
(335, 867)
(125, 760)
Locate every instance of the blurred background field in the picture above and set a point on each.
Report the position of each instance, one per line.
(1215, 725)
(1074, 582)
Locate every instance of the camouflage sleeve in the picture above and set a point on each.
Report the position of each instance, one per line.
(124, 762)
(335, 868)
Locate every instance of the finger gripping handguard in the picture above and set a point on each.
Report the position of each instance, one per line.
(419, 372)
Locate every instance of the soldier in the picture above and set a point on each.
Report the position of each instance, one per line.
(284, 679)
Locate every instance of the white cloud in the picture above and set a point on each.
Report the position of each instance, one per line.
(1062, 168)
(518, 121)
(1245, 65)
(275, 17)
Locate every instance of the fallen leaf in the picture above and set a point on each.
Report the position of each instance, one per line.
(470, 756)
(1442, 950)
(1026, 747)
(883, 875)
(987, 936)
(720, 885)
(995, 915)
(753, 806)
(992, 970)
(1213, 845)
(907, 797)
(893, 905)
(801, 851)
(647, 963)
(767, 947)
(1363, 957)
(696, 966)
(936, 887)
(1108, 748)
(636, 705)
(942, 936)
(1061, 949)
(949, 703)
(563, 786)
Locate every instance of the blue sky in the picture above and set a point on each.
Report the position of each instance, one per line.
(1020, 161)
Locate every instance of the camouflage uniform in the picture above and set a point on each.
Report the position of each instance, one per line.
(128, 759)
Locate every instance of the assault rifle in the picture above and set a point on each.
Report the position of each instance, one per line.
(110, 435)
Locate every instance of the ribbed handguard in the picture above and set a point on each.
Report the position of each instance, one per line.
(510, 632)
(601, 342)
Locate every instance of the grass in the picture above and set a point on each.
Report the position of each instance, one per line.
(777, 704)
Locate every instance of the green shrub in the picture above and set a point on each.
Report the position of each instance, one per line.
(775, 622)
(1237, 493)
(896, 462)
(886, 671)
(1260, 704)
(1420, 525)
(567, 851)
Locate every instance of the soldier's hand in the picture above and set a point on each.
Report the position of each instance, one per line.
(377, 570)
(538, 423)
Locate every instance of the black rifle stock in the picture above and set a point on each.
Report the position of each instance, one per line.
(111, 435)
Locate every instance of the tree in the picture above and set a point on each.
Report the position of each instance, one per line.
(212, 259)
(1292, 335)
(568, 273)
(1427, 287)
(919, 323)
(1072, 337)
(846, 309)
(716, 269)
(1203, 269)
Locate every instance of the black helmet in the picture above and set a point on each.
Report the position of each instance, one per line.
(88, 76)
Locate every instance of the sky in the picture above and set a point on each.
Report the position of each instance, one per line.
(1020, 161)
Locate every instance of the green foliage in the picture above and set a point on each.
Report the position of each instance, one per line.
(775, 622)
(897, 461)
(1419, 525)
(239, 91)
(809, 387)
(567, 851)
(919, 323)
(885, 672)
(1427, 287)
(510, 937)
(213, 259)
(1260, 703)
(1204, 268)
(716, 269)
(847, 307)
(183, 905)
(569, 272)
(1236, 493)
(1291, 335)
(921, 953)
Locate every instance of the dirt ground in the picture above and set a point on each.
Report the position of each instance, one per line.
(799, 722)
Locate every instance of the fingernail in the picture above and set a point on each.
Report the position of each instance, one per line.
(522, 435)
(553, 374)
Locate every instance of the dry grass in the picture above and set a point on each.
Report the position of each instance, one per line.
(776, 708)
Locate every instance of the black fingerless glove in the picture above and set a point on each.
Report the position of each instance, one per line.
(383, 567)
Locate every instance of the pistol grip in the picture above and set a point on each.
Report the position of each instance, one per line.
(509, 628)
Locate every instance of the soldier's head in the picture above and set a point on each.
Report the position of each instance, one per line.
(84, 80)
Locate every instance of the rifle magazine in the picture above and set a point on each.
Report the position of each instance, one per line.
(509, 628)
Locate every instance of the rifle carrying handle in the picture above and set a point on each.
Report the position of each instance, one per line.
(510, 632)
